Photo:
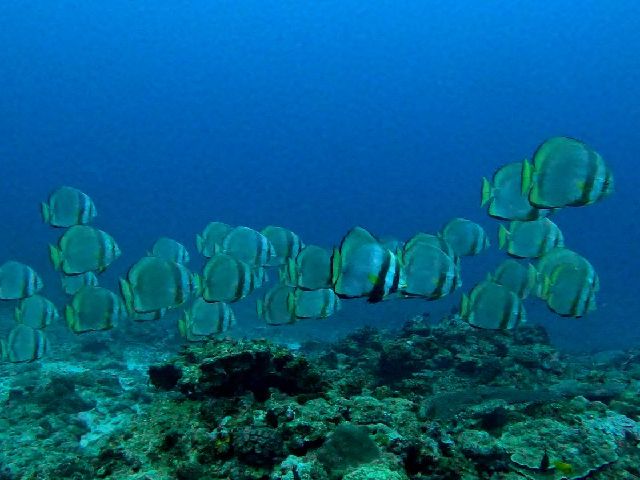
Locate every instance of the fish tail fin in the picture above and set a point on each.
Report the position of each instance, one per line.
(532, 275)
(55, 254)
(527, 177)
(503, 237)
(46, 212)
(291, 304)
(196, 282)
(127, 295)
(199, 243)
(487, 192)
(336, 263)
(70, 317)
(545, 288)
(465, 307)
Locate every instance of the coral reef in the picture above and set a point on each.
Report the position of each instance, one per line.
(427, 402)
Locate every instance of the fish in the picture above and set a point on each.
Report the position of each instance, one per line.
(566, 172)
(428, 272)
(171, 250)
(94, 309)
(504, 198)
(562, 256)
(320, 303)
(465, 237)
(154, 283)
(274, 308)
(518, 277)
(362, 267)
(492, 306)
(310, 270)
(68, 206)
(530, 239)
(24, 344)
(286, 244)
(72, 283)
(249, 246)
(570, 291)
(210, 240)
(204, 320)
(36, 311)
(84, 249)
(227, 279)
(422, 238)
(18, 281)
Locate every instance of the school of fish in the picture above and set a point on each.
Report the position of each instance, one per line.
(313, 281)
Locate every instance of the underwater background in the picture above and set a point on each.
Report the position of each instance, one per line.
(319, 116)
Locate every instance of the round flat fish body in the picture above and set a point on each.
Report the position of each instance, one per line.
(494, 307)
(94, 309)
(518, 277)
(227, 279)
(465, 237)
(18, 280)
(249, 246)
(530, 239)
(205, 320)
(36, 311)
(68, 206)
(275, 307)
(566, 172)
(72, 283)
(210, 241)
(286, 244)
(84, 249)
(313, 267)
(25, 344)
(429, 272)
(320, 303)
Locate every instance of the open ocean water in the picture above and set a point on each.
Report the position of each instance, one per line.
(317, 116)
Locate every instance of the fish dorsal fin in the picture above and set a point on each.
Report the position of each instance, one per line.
(503, 237)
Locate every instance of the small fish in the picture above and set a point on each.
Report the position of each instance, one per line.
(154, 283)
(286, 244)
(171, 250)
(94, 309)
(24, 344)
(18, 280)
(518, 277)
(72, 283)
(465, 237)
(429, 272)
(249, 246)
(205, 320)
(492, 306)
(310, 270)
(68, 206)
(530, 239)
(84, 249)
(566, 172)
(504, 196)
(228, 279)
(362, 267)
(313, 303)
(36, 312)
(570, 291)
(275, 307)
(558, 256)
(210, 240)
(421, 238)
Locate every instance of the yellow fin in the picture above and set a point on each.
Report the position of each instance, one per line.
(527, 177)
(503, 237)
(487, 192)
(372, 278)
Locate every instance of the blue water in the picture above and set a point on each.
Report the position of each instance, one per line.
(319, 116)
